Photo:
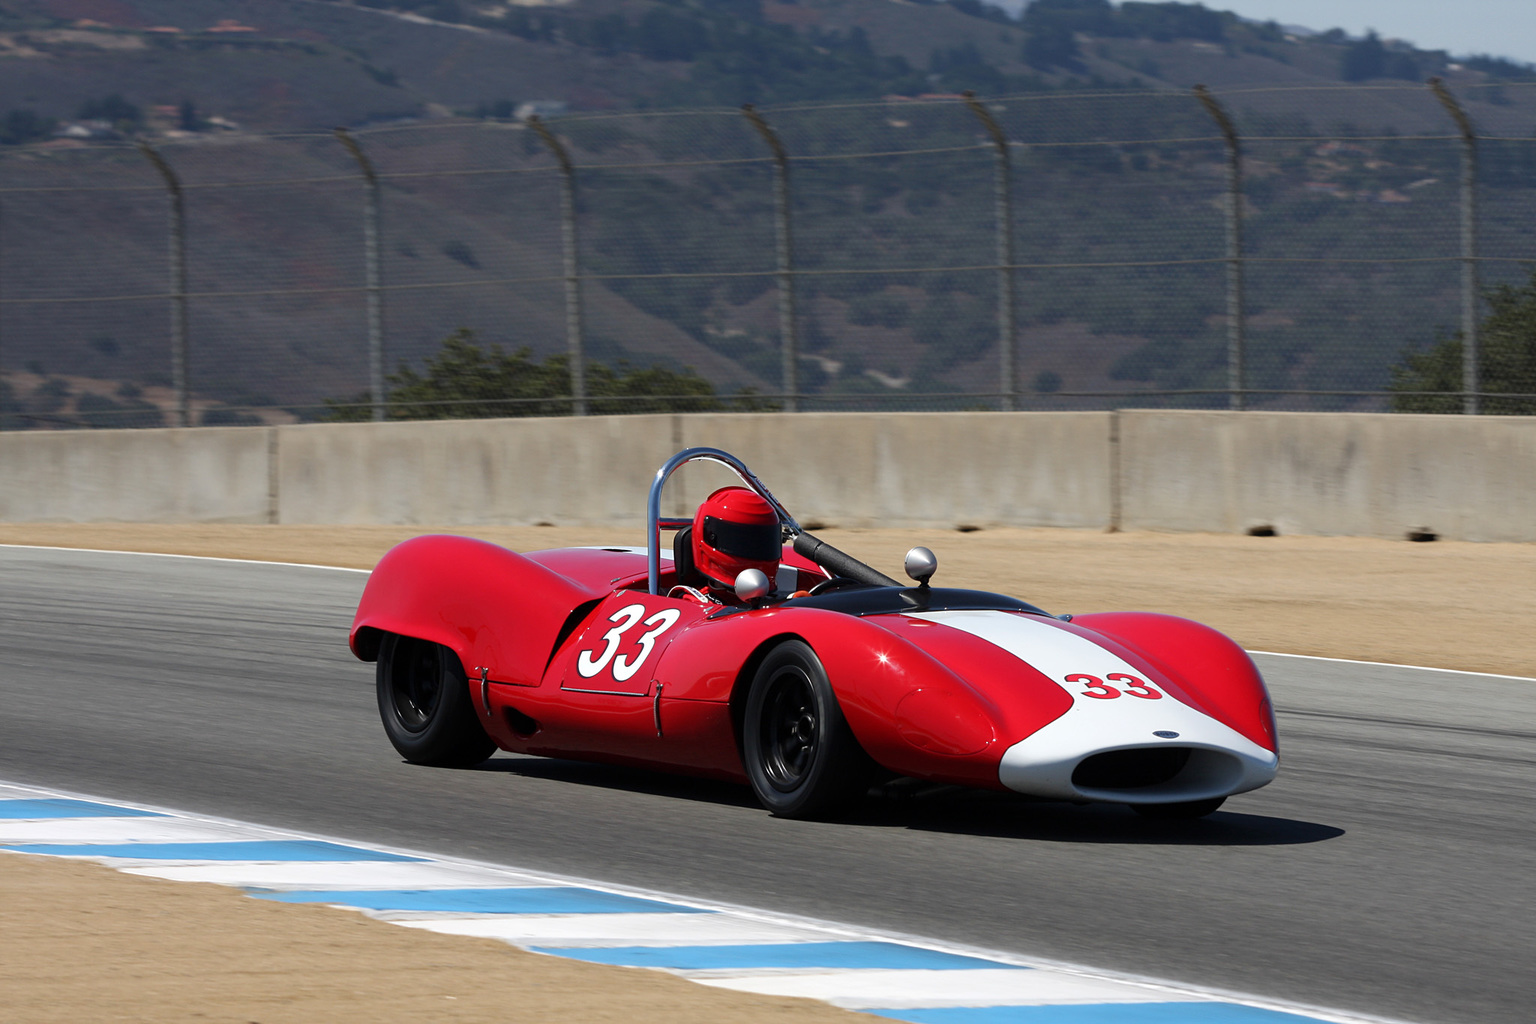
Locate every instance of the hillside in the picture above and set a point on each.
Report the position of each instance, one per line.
(274, 65)
(888, 310)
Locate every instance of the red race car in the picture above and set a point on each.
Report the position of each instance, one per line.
(758, 653)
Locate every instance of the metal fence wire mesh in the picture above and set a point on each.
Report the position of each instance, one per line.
(1044, 251)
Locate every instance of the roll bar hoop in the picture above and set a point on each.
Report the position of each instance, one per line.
(655, 523)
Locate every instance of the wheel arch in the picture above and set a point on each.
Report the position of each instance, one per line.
(490, 606)
(872, 669)
(745, 675)
(425, 704)
(366, 641)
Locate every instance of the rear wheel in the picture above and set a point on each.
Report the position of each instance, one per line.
(426, 707)
(1179, 812)
(800, 755)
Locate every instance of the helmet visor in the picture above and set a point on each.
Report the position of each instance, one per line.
(756, 542)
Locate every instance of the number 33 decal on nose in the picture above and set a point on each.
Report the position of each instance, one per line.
(590, 663)
(1097, 687)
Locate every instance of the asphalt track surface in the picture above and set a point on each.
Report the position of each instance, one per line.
(1390, 870)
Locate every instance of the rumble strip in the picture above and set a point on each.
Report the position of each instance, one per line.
(900, 978)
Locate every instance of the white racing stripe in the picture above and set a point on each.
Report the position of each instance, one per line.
(1225, 761)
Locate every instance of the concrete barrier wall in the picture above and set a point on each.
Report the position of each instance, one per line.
(1371, 475)
(1462, 477)
(919, 469)
(848, 468)
(207, 475)
(458, 472)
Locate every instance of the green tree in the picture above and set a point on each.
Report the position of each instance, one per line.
(99, 411)
(1364, 60)
(8, 407)
(22, 126)
(466, 381)
(124, 116)
(1163, 22)
(1051, 46)
(1096, 17)
(1507, 340)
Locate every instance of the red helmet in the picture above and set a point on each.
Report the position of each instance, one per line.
(736, 529)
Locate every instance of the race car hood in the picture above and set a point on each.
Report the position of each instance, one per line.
(1132, 732)
(1129, 707)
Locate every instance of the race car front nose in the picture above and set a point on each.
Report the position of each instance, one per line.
(1199, 760)
(1141, 774)
(1137, 774)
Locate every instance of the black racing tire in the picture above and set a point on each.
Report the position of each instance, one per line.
(801, 757)
(426, 706)
(1179, 812)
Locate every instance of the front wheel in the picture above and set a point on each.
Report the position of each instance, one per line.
(426, 707)
(1179, 812)
(801, 757)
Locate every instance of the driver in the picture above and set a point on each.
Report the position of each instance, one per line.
(734, 530)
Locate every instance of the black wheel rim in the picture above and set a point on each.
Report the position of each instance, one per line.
(791, 729)
(416, 686)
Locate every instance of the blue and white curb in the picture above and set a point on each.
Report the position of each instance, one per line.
(898, 977)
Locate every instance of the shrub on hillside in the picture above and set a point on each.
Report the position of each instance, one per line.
(466, 381)
(1507, 343)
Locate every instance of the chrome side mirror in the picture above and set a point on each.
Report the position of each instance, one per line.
(752, 584)
(921, 564)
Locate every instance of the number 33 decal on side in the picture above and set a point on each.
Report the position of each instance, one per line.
(591, 663)
(1103, 690)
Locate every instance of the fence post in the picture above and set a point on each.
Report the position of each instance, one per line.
(372, 272)
(789, 339)
(1471, 357)
(573, 326)
(1003, 194)
(178, 273)
(1236, 316)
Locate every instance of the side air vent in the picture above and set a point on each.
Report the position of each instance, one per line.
(520, 723)
(1136, 768)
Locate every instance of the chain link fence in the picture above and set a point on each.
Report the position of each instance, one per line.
(1277, 248)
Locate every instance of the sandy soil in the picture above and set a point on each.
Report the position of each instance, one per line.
(85, 943)
(1447, 604)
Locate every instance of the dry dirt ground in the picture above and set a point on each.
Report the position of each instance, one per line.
(84, 943)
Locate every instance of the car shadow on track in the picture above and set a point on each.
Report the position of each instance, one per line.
(920, 807)
(1006, 816)
(628, 780)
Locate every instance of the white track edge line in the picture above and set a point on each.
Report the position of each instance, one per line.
(200, 558)
(343, 568)
(1394, 664)
(832, 928)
